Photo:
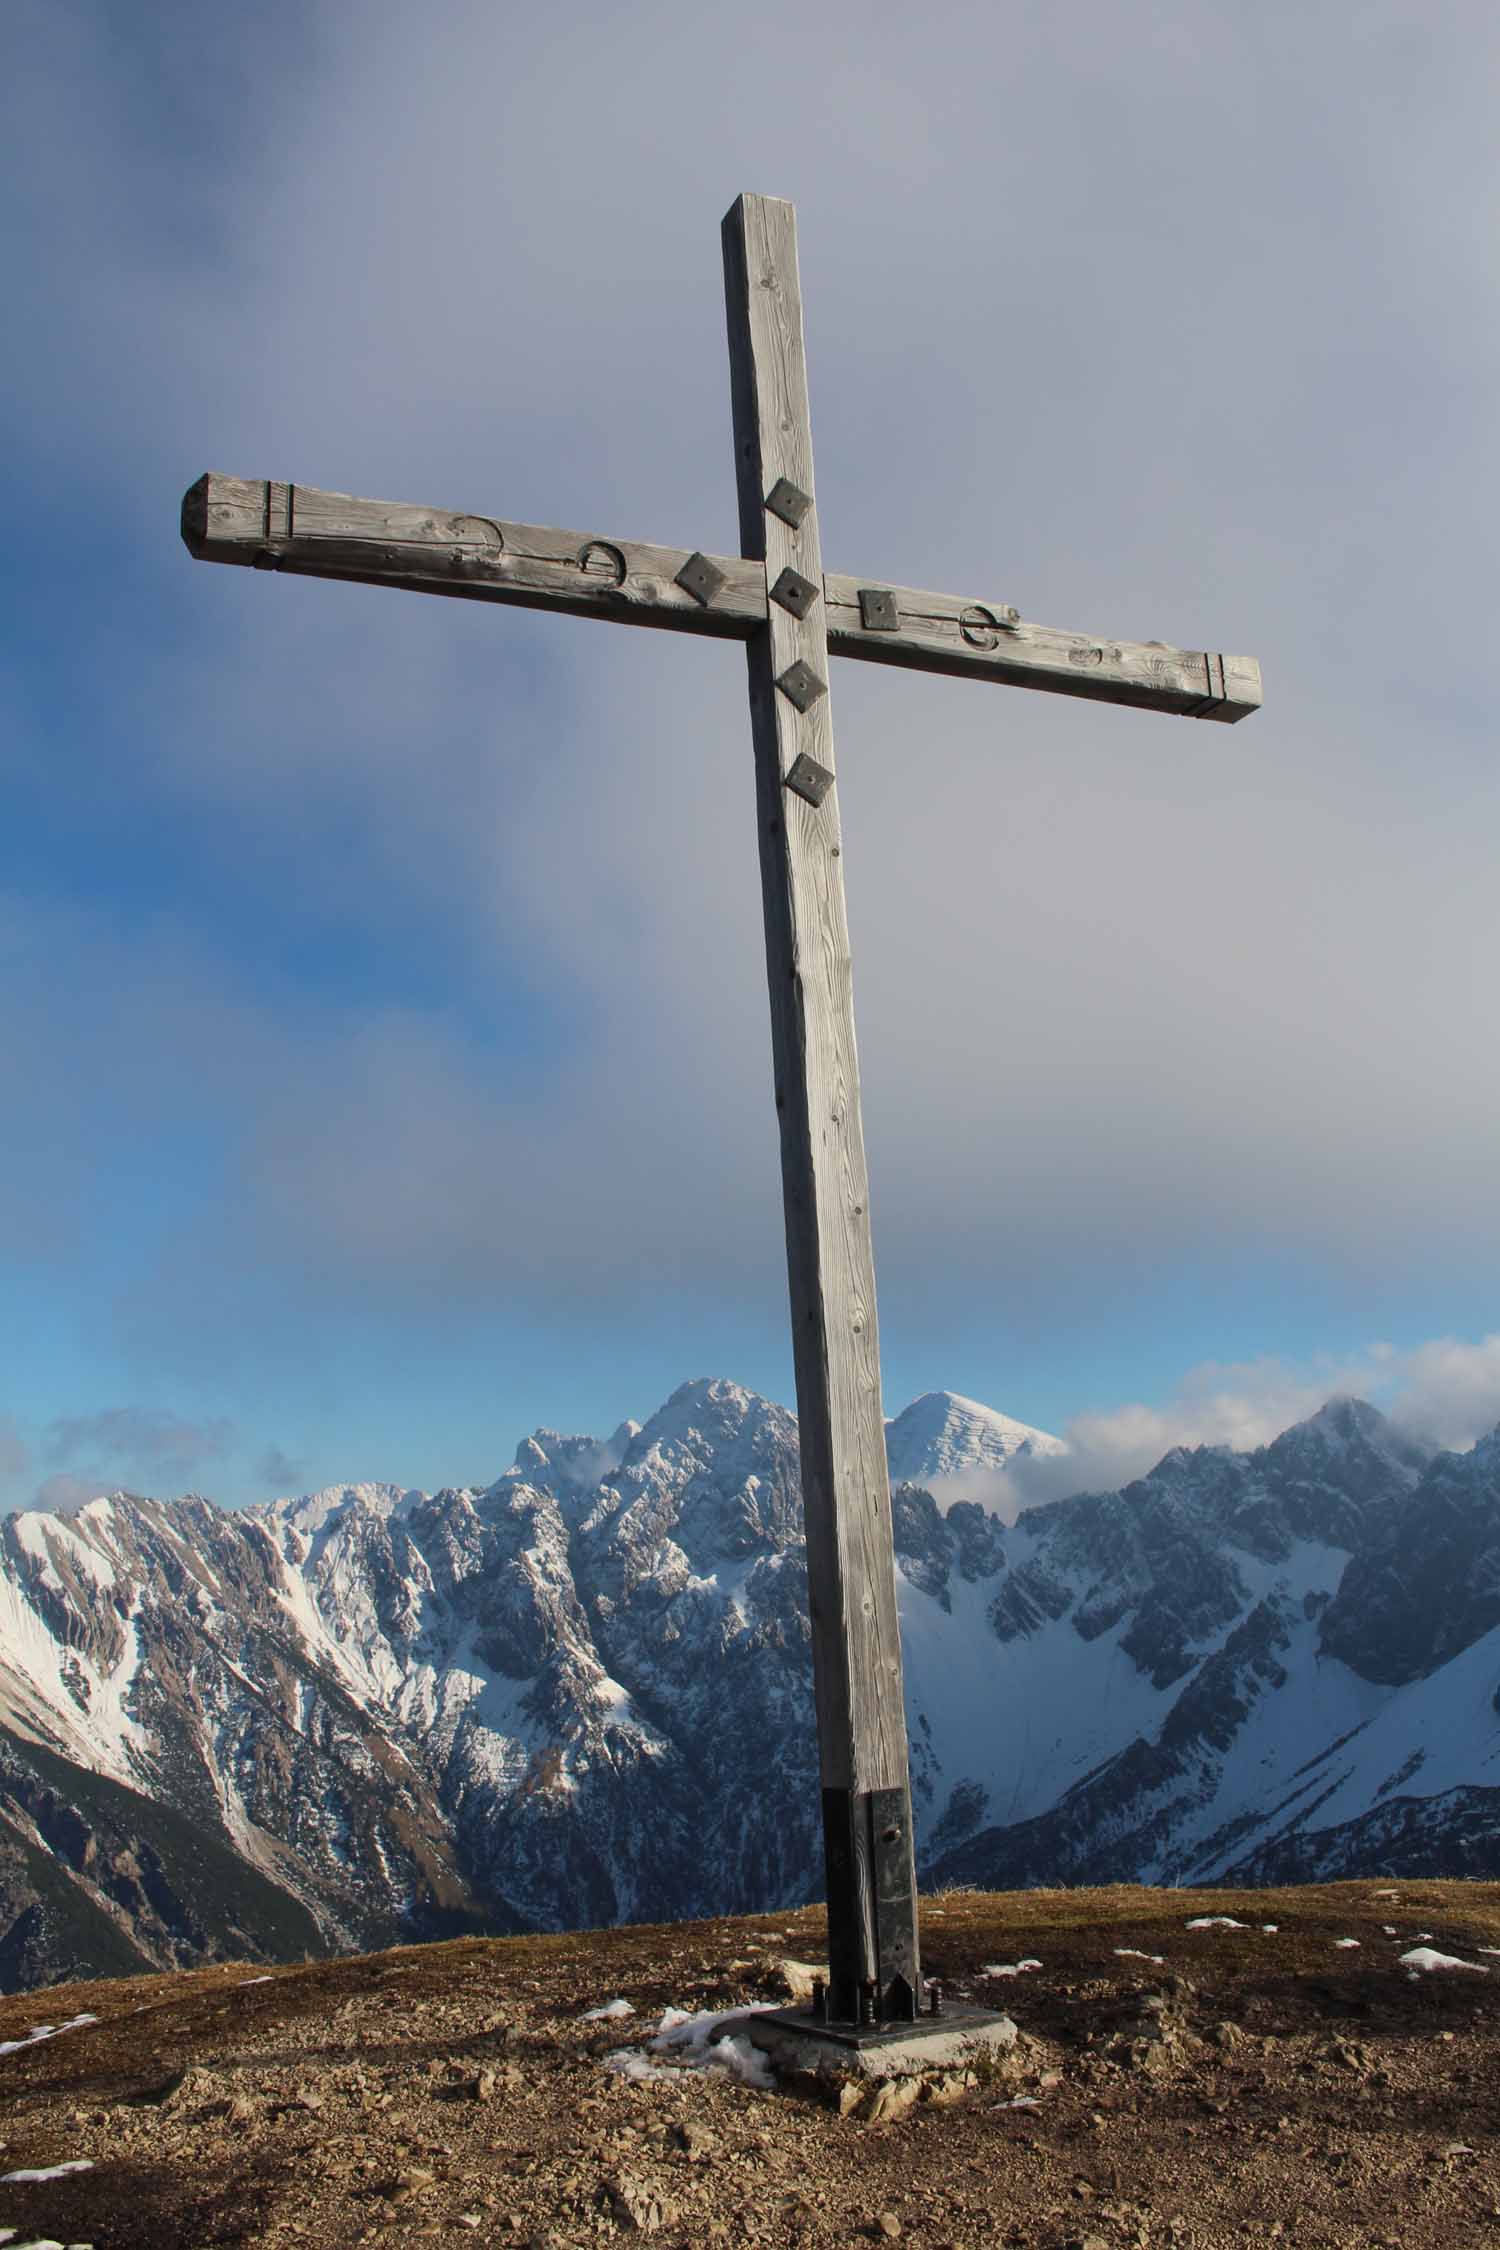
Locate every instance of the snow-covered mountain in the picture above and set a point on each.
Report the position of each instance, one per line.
(583, 1694)
(941, 1436)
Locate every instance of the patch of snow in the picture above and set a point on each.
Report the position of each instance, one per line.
(1216, 1922)
(610, 2008)
(1269, 1929)
(1347, 1944)
(1070, 1704)
(1134, 1953)
(708, 2040)
(634, 2063)
(41, 2031)
(1018, 2101)
(1428, 1957)
(49, 2171)
(1009, 1968)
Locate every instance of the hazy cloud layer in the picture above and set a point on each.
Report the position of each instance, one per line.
(15, 1454)
(151, 1440)
(279, 1471)
(399, 963)
(64, 1493)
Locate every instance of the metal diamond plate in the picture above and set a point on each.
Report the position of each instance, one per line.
(788, 501)
(811, 781)
(794, 592)
(877, 609)
(701, 578)
(800, 684)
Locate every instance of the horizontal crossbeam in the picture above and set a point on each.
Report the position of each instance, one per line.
(316, 534)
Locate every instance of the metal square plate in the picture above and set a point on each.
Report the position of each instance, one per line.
(811, 781)
(794, 592)
(800, 684)
(877, 609)
(788, 501)
(701, 578)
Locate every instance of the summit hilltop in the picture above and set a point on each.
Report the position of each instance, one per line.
(1192, 2071)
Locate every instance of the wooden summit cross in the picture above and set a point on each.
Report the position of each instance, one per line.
(776, 598)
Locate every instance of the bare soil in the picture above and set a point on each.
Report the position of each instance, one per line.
(1256, 2087)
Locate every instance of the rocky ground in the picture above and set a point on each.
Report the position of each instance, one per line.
(1171, 2086)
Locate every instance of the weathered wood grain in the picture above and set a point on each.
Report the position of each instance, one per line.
(830, 1258)
(313, 534)
(476, 558)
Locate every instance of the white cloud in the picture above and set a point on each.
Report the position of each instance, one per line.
(1449, 1391)
(1444, 1391)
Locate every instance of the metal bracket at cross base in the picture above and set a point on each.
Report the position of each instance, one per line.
(867, 1844)
(867, 1849)
(876, 2040)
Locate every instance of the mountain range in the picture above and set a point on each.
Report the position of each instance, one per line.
(582, 1694)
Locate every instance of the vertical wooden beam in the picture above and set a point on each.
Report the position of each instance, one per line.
(845, 1482)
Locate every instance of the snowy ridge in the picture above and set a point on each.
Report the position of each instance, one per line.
(583, 1694)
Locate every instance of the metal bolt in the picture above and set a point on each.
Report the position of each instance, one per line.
(867, 2004)
(934, 1998)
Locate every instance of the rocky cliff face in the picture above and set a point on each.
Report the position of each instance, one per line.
(583, 1694)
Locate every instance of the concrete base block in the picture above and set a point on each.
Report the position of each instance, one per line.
(795, 2040)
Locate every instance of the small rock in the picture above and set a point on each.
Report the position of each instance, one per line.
(162, 2090)
(633, 2206)
(892, 2097)
(694, 2140)
(482, 2088)
(887, 2223)
(415, 2180)
(1226, 2035)
(948, 2086)
(795, 1979)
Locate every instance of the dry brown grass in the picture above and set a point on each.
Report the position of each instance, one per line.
(1306, 2095)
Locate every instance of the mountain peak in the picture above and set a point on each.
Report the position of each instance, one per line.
(943, 1434)
(314, 1511)
(1348, 1434)
(1341, 1418)
(710, 1405)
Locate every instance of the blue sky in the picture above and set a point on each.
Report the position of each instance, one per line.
(381, 996)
